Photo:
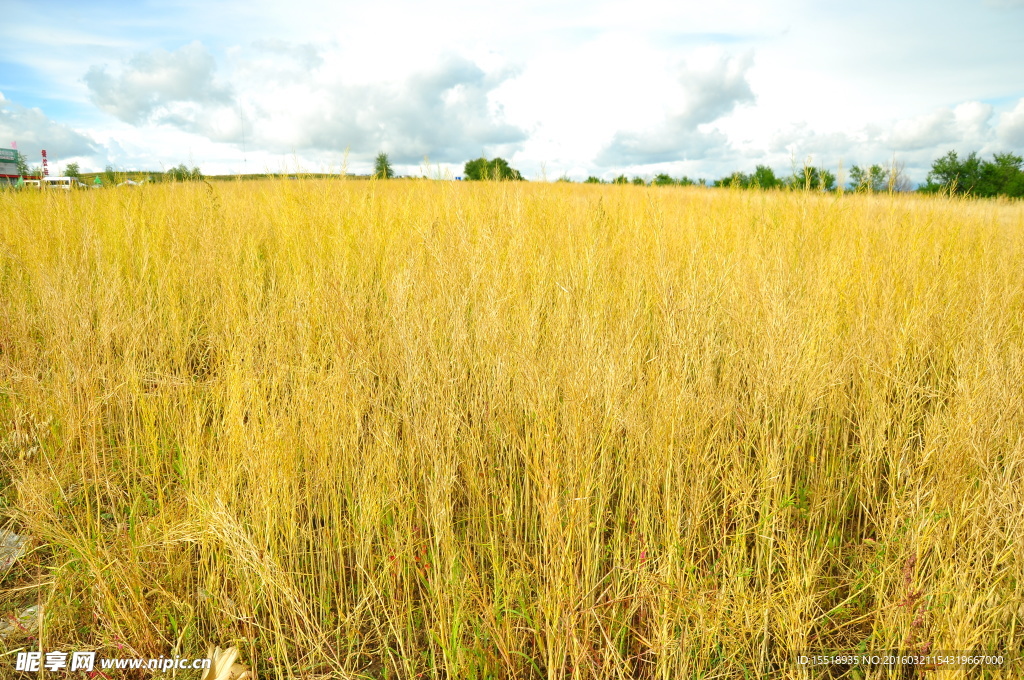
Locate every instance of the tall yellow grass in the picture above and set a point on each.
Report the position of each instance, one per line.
(442, 430)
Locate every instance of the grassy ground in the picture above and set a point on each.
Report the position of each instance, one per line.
(158, 176)
(451, 430)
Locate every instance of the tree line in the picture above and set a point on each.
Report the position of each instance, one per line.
(1002, 176)
(972, 175)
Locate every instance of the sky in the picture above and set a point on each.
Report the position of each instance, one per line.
(560, 89)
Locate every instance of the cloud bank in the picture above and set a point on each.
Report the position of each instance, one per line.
(575, 88)
(709, 95)
(287, 101)
(33, 130)
(154, 85)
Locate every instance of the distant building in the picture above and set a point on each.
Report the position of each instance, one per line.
(9, 166)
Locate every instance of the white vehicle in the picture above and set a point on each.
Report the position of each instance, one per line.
(66, 183)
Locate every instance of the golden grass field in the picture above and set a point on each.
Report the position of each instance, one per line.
(417, 429)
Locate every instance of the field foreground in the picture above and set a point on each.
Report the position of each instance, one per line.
(428, 429)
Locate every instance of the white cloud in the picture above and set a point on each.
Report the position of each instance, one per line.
(972, 119)
(592, 89)
(967, 123)
(152, 84)
(709, 94)
(305, 54)
(290, 101)
(33, 131)
(444, 112)
(921, 132)
(1011, 126)
(712, 93)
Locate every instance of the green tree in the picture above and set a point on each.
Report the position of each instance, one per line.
(639, 181)
(812, 178)
(955, 176)
(382, 167)
(873, 179)
(496, 169)
(663, 180)
(108, 175)
(1002, 176)
(621, 179)
(764, 177)
(593, 180)
(475, 169)
(72, 170)
(736, 180)
(877, 178)
(183, 174)
(22, 165)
